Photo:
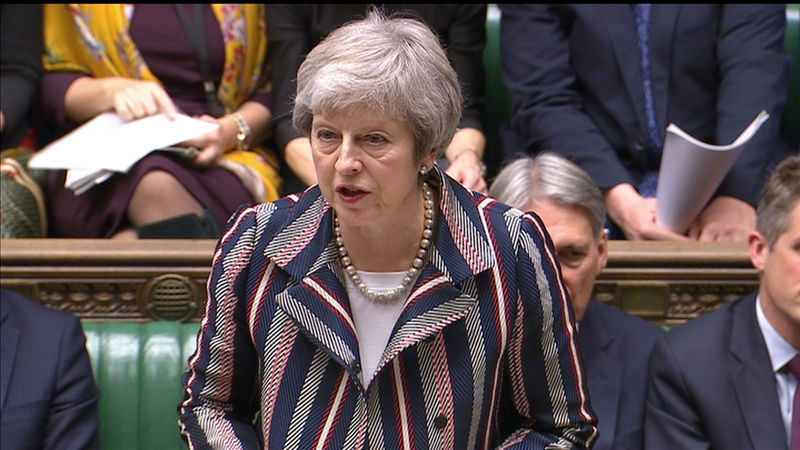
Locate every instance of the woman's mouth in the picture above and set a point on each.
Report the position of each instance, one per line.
(350, 194)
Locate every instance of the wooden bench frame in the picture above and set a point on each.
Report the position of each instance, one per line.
(145, 280)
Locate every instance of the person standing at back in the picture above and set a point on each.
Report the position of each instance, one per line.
(615, 345)
(599, 83)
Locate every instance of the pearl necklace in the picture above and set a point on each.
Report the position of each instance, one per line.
(387, 297)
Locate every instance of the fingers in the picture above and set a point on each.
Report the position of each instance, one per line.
(163, 102)
(208, 156)
(723, 233)
(664, 234)
(469, 175)
(138, 99)
(694, 231)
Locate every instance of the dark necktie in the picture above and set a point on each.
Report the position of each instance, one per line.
(641, 18)
(794, 367)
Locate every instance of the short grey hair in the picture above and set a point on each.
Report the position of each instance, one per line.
(548, 176)
(780, 195)
(394, 66)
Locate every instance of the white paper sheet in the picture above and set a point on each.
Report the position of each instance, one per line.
(109, 142)
(691, 171)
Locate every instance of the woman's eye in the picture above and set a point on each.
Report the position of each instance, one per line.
(325, 135)
(375, 139)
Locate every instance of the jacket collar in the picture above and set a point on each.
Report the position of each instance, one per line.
(753, 379)
(316, 298)
(460, 238)
(622, 33)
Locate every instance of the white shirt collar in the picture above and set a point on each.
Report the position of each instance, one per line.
(780, 351)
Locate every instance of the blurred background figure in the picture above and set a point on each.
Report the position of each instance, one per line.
(20, 68)
(204, 60)
(600, 83)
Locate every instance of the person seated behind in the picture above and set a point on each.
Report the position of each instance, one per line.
(590, 82)
(727, 378)
(20, 57)
(615, 345)
(386, 306)
(139, 60)
(48, 398)
(293, 29)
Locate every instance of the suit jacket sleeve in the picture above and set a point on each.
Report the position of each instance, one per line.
(753, 64)
(545, 372)
(73, 421)
(547, 112)
(464, 45)
(221, 399)
(288, 41)
(670, 418)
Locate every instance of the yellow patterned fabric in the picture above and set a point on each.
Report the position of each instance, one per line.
(95, 39)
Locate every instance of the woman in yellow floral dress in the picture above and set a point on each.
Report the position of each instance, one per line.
(140, 60)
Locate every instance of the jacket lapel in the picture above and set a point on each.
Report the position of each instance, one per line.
(316, 300)
(445, 290)
(8, 350)
(754, 381)
(603, 370)
(662, 31)
(443, 293)
(622, 33)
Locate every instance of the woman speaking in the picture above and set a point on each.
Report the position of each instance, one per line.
(386, 306)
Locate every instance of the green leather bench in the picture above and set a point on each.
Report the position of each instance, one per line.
(139, 368)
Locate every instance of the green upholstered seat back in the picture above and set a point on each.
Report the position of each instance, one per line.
(139, 368)
(498, 101)
(790, 124)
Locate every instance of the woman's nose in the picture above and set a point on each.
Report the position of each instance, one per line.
(349, 160)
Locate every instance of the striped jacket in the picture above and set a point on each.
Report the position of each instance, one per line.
(483, 355)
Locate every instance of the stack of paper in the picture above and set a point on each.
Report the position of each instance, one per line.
(108, 144)
(690, 172)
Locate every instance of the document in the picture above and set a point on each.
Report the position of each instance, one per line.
(109, 144)
(690, 172)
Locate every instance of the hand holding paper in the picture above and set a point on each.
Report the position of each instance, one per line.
(108, 144)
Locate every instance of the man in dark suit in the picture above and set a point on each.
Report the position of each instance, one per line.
(614, 344)
(724, 380)
(600, 83)
(48, 399)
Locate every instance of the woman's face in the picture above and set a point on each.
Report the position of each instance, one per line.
(365, 167)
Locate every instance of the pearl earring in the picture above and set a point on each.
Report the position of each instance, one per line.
(423, 170)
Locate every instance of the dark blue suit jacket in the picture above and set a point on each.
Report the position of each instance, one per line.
(48, 399)
(616, 348)
(712, 385)
(573, 73)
